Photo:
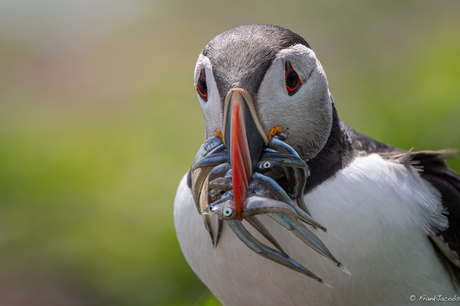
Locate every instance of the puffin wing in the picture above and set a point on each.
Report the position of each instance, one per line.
(431, 165)
(435, 170)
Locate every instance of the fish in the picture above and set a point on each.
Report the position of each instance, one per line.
(212, 188)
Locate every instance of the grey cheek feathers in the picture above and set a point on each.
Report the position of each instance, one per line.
(213, 108)
(317, 118)
(308, 113)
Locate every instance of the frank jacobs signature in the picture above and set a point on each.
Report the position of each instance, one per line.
(434, 298)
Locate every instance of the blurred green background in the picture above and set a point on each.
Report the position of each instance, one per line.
(99, 120)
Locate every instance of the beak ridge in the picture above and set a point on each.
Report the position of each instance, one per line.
(244, 138)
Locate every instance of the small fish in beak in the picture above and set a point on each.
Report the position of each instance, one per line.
(231, 178)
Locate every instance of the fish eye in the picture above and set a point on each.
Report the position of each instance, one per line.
(228, 212)
(266, 165)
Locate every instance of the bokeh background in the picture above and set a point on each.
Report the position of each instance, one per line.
(99, 120)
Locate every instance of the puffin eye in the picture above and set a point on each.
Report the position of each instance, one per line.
(292, 79)
(228, 212)
(201, 86)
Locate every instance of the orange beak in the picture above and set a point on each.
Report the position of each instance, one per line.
(244, 138)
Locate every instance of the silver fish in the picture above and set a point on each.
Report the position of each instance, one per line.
(279, 211)
(260, 248)
(212, 182)
(281, 195)
(199, 180)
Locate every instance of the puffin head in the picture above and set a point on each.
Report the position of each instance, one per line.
(254, 80)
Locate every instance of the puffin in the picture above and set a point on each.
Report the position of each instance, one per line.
(390, 216)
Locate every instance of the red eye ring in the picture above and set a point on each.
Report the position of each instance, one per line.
(201, 85)
(292, 79)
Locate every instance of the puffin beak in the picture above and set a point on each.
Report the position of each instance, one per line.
(244, 138)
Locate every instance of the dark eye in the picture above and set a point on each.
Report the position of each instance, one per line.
(201, 86)
(228, 212)
(292, 79)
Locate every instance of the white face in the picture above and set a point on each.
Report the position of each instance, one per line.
(213, 107)
(307, 114)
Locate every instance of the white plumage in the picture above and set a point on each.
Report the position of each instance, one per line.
(377, 213)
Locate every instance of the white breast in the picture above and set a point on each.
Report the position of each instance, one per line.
(377, 213)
